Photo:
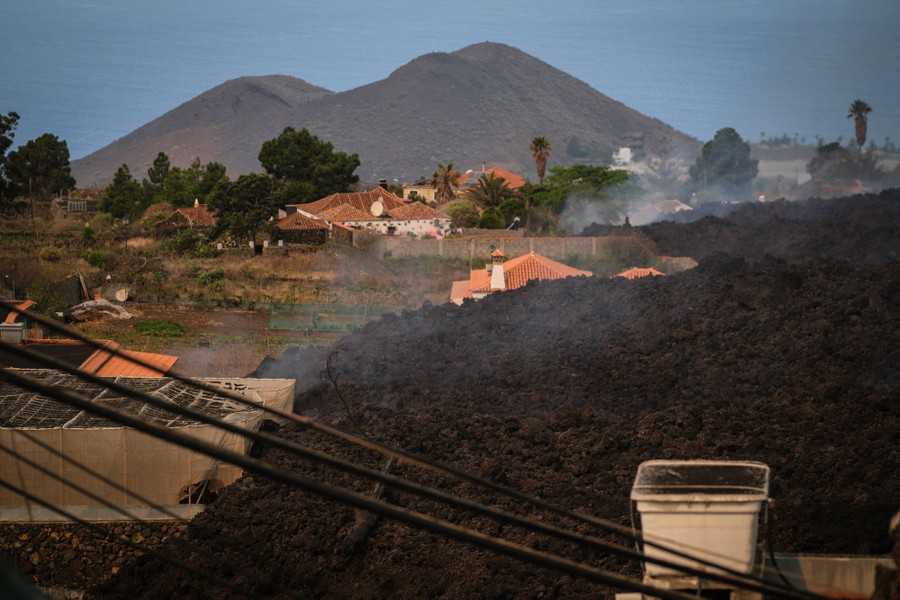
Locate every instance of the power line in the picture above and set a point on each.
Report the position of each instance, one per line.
(734, 577)
(744, 582)
(743, 579)
(118, 508)
(124, 540)
(345, 496)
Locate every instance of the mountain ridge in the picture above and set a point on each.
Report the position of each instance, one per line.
(481, 104)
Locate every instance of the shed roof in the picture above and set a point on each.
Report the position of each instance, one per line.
(299, 221)
(88, 358)
(25, 409)
(638, 272)
(198, 215)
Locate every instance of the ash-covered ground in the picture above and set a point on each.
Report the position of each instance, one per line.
(784, 352)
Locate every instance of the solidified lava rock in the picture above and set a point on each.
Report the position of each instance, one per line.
(561, 389)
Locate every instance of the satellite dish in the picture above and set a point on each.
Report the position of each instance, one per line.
(377, 208)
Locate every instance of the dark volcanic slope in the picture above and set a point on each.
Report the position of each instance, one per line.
(561, 390)
(226, 124)
(485, 102)
(863, 228)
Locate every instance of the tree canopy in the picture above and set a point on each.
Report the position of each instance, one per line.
(40, 168)
(307, 168)
(463, 213)
(8, 124)
(490, 190)
(724, 161)
(244, 206)
(124, 196)
(127, 197)
(583, 180)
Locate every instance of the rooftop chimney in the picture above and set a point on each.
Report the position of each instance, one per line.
(498, 280)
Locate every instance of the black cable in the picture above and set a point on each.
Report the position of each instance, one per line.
(421, 461)
(308, 422)
(738, 579)
(343, 495)
(125, 513)
(124, 540)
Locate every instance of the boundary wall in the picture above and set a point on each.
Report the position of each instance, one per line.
(616, 249)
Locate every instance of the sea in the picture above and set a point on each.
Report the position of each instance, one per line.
(92, 71)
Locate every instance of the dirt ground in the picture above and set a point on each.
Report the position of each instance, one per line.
(786, 356)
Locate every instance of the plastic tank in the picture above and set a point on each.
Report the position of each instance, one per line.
(708, 509)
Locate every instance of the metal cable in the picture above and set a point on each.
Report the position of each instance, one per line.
(125, 513)
(344, 495)
(743, 581)
(124, 540)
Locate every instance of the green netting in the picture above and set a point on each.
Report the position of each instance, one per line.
(324, 317)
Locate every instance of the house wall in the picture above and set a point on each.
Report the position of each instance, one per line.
(616, 250)
(304, 236)
(422, 191)
(403, 227)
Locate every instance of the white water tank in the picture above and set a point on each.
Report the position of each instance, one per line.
(707, 509)
(12, 333)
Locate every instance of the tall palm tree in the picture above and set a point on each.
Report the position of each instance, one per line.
(443, 181)
(859, 112)
(540, 150)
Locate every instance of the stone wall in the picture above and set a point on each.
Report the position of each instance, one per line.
(624, 250)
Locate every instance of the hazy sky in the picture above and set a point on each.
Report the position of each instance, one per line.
(91, 71)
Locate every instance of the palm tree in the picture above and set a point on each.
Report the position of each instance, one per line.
(540, 150)
(859, 112)
(443, 181)
(491, 190)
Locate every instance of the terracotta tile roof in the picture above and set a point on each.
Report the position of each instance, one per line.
(637, 272)
(520, 270)
(299, 221)
(513, 181)
(460, 290)
(99, 362)
(198, 215)
(359, 200)
(346, 212)
(21, 307)
(105, 364)
(416, 210)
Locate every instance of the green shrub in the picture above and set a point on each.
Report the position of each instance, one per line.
(211, 277)
(190, 242)
(161, 327)
(491, 219)
(97, 259)
(50, 254)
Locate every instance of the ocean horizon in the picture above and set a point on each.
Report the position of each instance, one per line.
(92, 71)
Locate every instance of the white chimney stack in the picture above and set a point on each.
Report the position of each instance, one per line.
(498, 279)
